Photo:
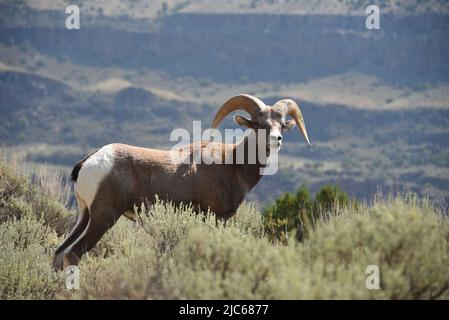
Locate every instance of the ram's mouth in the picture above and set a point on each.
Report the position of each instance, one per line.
(276, 145)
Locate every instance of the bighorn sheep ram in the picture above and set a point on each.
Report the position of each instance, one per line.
(112, 180)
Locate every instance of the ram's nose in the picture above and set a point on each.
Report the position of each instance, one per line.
(276, 140)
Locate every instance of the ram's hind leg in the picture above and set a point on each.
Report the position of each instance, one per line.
(80, 226)
(101, 219)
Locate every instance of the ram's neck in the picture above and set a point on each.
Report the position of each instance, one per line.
(248, 159)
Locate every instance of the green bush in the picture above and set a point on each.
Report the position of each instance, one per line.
(19, 198)
(173, 253)
(406, 239)
(13, 188)
(297, 214)
(26, 249)
(224, 264)
(29, 226)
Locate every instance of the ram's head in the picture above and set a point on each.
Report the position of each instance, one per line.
(273, 119)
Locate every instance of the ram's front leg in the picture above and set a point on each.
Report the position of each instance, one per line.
(223, 218)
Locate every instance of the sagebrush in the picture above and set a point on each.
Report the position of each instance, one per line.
(172, 253)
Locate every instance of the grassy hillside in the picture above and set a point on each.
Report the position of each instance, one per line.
(172, 253)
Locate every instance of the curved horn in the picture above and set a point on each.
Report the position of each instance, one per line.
(246, 102)
(289, 107)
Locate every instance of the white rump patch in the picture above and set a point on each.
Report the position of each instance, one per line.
(92, 173)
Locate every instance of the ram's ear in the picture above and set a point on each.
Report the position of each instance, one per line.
(241, 121)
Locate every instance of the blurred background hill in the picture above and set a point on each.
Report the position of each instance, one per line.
(376, 102)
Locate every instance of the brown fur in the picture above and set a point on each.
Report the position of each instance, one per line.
(153, 173)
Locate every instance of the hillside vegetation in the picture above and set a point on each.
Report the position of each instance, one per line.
(173, 253)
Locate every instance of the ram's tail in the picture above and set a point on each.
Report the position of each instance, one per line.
(79, 165)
